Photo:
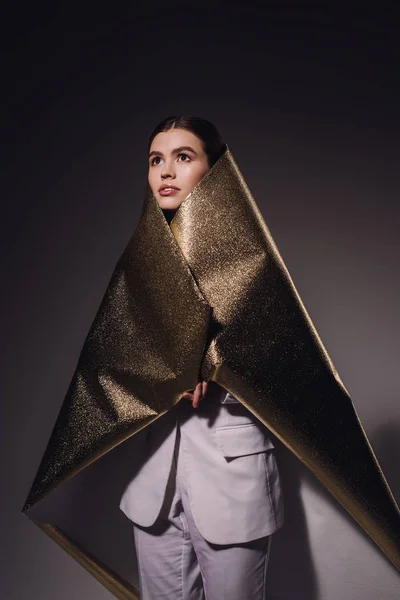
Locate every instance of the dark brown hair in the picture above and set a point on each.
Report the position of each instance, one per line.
(206, 131)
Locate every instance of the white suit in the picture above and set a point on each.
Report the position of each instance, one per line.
(229, 464)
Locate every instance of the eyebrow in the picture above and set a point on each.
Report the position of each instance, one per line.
(174, 151)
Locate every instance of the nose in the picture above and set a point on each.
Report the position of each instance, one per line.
(168, 171)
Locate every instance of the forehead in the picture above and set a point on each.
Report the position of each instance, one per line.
(174, 138)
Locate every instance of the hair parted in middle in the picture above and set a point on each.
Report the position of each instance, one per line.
(206, 131)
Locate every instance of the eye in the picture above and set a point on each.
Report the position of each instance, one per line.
(184, 157)
(155, 161)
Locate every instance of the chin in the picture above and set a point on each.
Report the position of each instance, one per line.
(169, 203)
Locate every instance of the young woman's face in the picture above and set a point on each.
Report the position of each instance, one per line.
(177, 162)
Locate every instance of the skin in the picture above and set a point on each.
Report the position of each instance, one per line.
(177, 158)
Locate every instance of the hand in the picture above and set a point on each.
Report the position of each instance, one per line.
(197, 394)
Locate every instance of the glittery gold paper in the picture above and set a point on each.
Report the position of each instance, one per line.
(142, 351)
(211, 295)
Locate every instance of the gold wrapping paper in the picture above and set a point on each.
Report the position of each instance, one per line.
(210, 295)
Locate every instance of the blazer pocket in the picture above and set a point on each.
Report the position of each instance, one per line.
(241, 440)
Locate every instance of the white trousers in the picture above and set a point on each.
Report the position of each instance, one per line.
(176, 563)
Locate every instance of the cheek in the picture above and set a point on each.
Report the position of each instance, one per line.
(151, 181)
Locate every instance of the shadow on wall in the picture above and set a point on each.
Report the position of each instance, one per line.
(291, 571)
(385, 441)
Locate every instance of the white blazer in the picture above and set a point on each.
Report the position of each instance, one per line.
(229, 464)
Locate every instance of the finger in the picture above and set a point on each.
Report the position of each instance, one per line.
(204, 387)
(197, 395)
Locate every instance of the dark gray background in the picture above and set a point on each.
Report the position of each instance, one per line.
(306, 96)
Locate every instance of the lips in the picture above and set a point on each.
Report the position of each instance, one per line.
(168, 190)
(168, 187)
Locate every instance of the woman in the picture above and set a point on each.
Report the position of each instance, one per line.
(207, 499)
(207, 293)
